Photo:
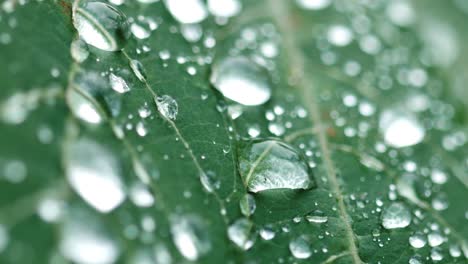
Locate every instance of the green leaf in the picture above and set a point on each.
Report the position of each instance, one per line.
(131, 137)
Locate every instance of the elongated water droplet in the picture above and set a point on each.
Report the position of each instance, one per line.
(187, 11)
(167, 106)
(271, 164)
(101, 25)
(396, 216)
(209, 181)
(79, 50)
(247, 204)
(141, 196)
(138, 70)
(239, 233)
(94, 173)
(300, 248)
(241, 80)
(83, 107)
(400, 129)
(224, 8)
(118, 83)
(316, 216)
(190, 236)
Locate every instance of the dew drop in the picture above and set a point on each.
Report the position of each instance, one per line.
(138, 70)
(239, 233)
(454, 251)
(209, 181)
(190, 236)
(313, 4)
(316, 216)
(79, 50)
(436, 255)
(141, 196)
(267, 233)
(144, 111)
(118, 83)
(247, 205)
(339, 35)
(167, 106)
(141, 129)
(435, 239)
(140, 31)
(101, 25)
(417, 240)
(272, 164)
(83, 108)
(300, 248)
(396, 216)
(438, 176)
(94, 173)
(224, 8)
(400, 129)
(187, 11)
(241, 80)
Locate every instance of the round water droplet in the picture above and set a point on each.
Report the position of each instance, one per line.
(141, 196)
(101, 25)
(187, 11)
(339, 35)
(267, 233)
(118, 83)
(300, 248)
(140, 31)
(396, 216)
(316, 216)
(241, 80)
(167, 106)
(247, 205)
(224, 8)
(94, 173)
(239, 233)
(417, 240)
(400, 129)
(271, 164)
(435, 239)
(79, 50)
(190, 236)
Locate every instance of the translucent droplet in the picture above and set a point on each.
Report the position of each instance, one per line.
(118, 83)
(267, 233)
(191, 32)
(271, 164)
(83, 107)
(167, 106)
(400, 129)
(141, 129)
(187, 11)
(94, 173)
(415, 260)
(241, 80)
(396, 216)
(300, 248)
(50, 209)
(454, 251)
(138, 70)
(144, 111)
(140, 31)
(79, 50)
(224, 8)
(339, 35)
(435, 239)
(101, 25)
(190, 236)
(247, 205)
(417, 240)
(15, 171)
(436, 255)
(210, 181)
(313, 4)
(438, 176)
(276, 129)
(316, 216)
(239, 233)
(400, 12)
(141, 196)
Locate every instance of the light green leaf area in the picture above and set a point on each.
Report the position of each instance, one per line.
(151, 154)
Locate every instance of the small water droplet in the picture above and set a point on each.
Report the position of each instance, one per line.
(438, 176)
(224, 8)
(241, 80)
(300, 248)
(138, 70)
(239, 233)
(190, 236)
(454, 251)
(417, 240)
(400, 129)
(210, 181)
(339, 35)
(396, 216)
(436, 255)
(316, 216)
(267, 233)
(144, 111)
(313, 4)
(247, 205)
(141, 129)
(118, 83)
(101, 25)
(187, 11)
(435, 239)
(167, 106)
(83, 107)
(79, 50)
(140, 31)
(94, 173)
(272, 164)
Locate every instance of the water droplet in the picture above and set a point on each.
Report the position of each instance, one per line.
(438, 176)
(400, 13)
(247, 205)
(271, 164)
(239, 233)
(396, 216)
(400, 129)
(94, 173)
(267, 233)
(138, 70)
(313, 4)
(140, 31)
(167, 106)
(50, 209)
(4, 238)
(191, 32)
(316, 216)
(101, 25)
(83, 107)
(79, 50)
(224, 8)
(454, 251)
(435, 239)
(436, 255)
(141, 129)
(210, 181)
(187, 11)
(415, 260)
(141, 196)
(417, 240)
(300, 248)
(144, 111)
(190, 236)
(15, 171)
(339, 35)
(118, 83)
(241, 80)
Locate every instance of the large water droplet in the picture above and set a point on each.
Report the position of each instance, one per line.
(247, 204)
(187, 11)
(118, 83)
(300, 248)
(241, 80)
(396, 216)
(239, 233)
(271, 164)
(435, 239)
(400, 129)
(94, 173)
(190, 236)
(101, 25)
(167, 106)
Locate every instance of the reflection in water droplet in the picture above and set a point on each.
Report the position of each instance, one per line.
(239, 233)
(167, 106)
(94, 173)
(241, 80)
(396, 216)
(271, 164)
(400, 129)
(79, 50)
(190, 236)
(187, 11)
(417, 240)
(247, 204)
(101, 25)
(118, 83)
(300, 248)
